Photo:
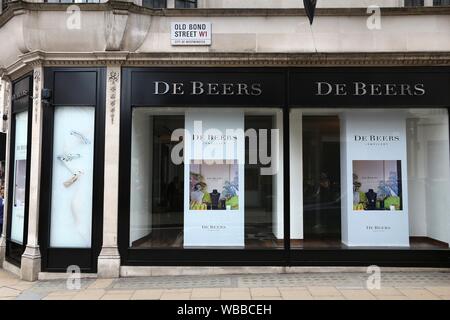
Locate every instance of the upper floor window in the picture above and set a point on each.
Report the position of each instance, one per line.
(441, 2)
(414, 3)
(180, 4)
(185, 4)
(72, 1)
(158, 4)
(421, 3)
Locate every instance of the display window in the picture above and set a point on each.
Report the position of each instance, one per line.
(371, 178)
(361, 166)
(71, 186)
(19, 176)
(19, 168)
(72, 177)
(206, 178)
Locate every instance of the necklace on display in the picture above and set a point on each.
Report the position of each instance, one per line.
(79, 135)
(75, 174)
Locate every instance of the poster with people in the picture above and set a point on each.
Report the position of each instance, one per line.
(214, 186)
(377, 185)
(374, 177)
(214, 179)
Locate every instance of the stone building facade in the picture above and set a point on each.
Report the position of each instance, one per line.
(99, 57)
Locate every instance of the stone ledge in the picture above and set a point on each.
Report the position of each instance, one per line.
(26, 62)
(147, 271)
(233, 59)
(8, 266)
(63, 276)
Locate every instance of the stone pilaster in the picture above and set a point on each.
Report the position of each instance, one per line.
(31, 258)
(109, 258)
(6, 98)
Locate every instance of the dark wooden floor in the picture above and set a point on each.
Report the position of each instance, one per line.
(173, 238)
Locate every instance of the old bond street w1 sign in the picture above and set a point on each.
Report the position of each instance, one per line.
(190, 33)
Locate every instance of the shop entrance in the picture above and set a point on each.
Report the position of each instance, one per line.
(322, 181)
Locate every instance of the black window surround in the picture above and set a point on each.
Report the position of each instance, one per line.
(283, 93)
(78, 87)
(21, 101)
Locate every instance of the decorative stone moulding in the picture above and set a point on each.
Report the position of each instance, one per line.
(113, 80)
(26, 61)
(122, 32)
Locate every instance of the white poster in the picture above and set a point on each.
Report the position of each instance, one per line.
(374, 179)
(72, 177)
(214, 179)
(20, 171)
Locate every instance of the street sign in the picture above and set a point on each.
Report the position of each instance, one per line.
(190, 33)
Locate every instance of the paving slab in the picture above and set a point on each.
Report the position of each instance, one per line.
(147, 294)
(404, 285)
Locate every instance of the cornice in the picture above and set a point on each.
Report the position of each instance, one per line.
(28, 62)
(291, 59)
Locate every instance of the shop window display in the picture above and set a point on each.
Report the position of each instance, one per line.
(72, 177)
(372, 178)
(19, 176)
(211, 199)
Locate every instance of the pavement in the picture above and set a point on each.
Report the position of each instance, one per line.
(423, 285)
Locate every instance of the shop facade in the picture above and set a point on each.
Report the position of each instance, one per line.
(122, 162)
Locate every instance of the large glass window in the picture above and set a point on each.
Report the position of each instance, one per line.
(19, 176)
(72, 177)
(371, 178)
(190, 194)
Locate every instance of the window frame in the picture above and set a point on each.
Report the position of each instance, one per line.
(395, 257)
(57, 259)
(189, 257)
(15, 250)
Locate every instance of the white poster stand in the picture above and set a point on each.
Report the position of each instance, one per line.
(214, 179)
(374, 179)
